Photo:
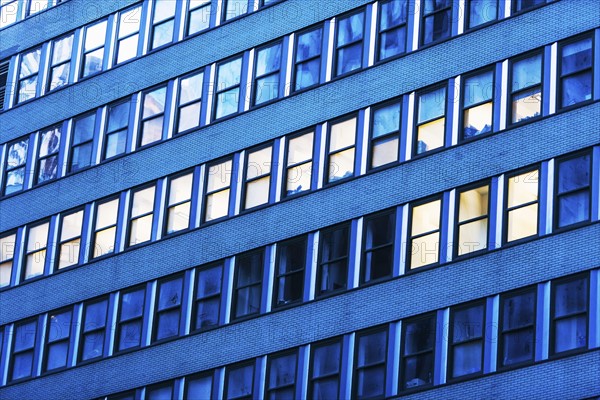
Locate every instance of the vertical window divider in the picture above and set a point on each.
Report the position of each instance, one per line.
(440, 361)
(235, 198)
(393, 359)
(548, 79)
(278, 176)
(170, 110)
(408, 126)
(400, 241)
(503, 79)
(595, 184)
(197, 196)
(354, 252)
(447, 227)
(97, 138)
(145, 27)
(134, 122)
(542, 322)
(76, 322)
(17, 268)
(227, 293)
(546, 197)
(180, 14)
(458, 17)
(319, 156)
(266, 302)
(209, 89)
(188, 300)
(63, 148)
(3, 156)
(4, 349)
(44, 66)
(260, 371)
(122, 221)
(490, 342)
(362, 141)
(370, 35)
(86, 233)
(499, 98)
(329, 34)
(12, 83)
(594, 334)
(347, 361)
(453, 111)
(288, 60)
(246, 80)
(311, 266)
(495, 212)
(414, 23)
(111, 323)
(38, 356)
(302, 372)
(148, 320)
(159, 209)
(76, 55)
(111, 40)
(51, 245)
(504, 9)
(32, 150)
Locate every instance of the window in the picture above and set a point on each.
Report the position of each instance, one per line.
(349, 43)
(473, 220)
(160, 391)
(130, 395)
(83, 142)
(523, 5)
(436, 20)
(57, 339)
(23, 350)
(418, 342)
(116, 129)
(393, 17)
(378, 242)
(431, 120)
(227, 92)
(298, 170)
(576, 72)
(16, 160)
(207, 301)
(36, 6)
(105, 228)
(199, 386)
(198, 16)
(4, 65)
(526, 89)
(340, 156)
(167, 315)
(385, 135)
(7, 254)
(179, 203)
(481, 12)
(325, 370)
(289, 271)
(60, 66)
(93, 330)
(234, 8)
(142, 215)
(257, 180)
(70, 239)
(573, 189)
(153, 115)
(517, 327)
(467, 332)
(35, 254)
(240, 381)
(47, 163)
(522, 202)
(247, 290)
(163, 23)
(93, 49)
(218, 182)
(332, 273)
(424, 244)
(267, 73)
(190, 102)
(307, 65)
(370, 364)
(131, 319)
(28, 75)
(8, 12)
(569, 319)
(128, 34)
(477, 95)
(281, 376)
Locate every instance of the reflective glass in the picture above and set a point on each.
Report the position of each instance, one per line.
(71, 225)
(341, 165)
(527, 72)
(93, 62)
(152, 130)
(129, 22)
(95, 35)
(164, 9)
(309, 45)
(169, 294)
(307, 74)
(190, 88)
(349, 58)
(482, 11)
(392, 42)
(326, 360)
(217, 205)
(478, 88)
(106, 214)
(180, 189)
(227, 103)
(350, 29)
(235, 8)
(430, 136)
(342, 134)
(60, 76)
(477, 120)
(84, 129)
(154, 102)
(132, 304)
(199, 17)
(518, 311)
(574, 173)
(426, 217)
(576, 88)
(127, 48)
(62, 50)
(229, 74)
(268, 59)
(576, 56)
(82, 156)
(393, 13)
(386, 120)
(239, 382)
(30, 63)
(527, 104)
(199, 387)
(570, 297)
(432, 105)
(163, 32)
(282, 371)
(437, 26)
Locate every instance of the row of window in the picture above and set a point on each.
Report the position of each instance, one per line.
(503, 331)
(472, 219)
(394, 132)
(12, 11)
(334, 47)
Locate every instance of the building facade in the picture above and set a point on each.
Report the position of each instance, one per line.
(206, 199)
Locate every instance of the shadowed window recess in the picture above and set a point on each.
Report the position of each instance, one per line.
(517, 327)
(467, 333)
(281, 375)
(267, 73)
(334, 253)
(93, 330)
(378, 246)
(325, 370)
(572, 202)
(370, 365)
(289, 271)
(247, 287)
(131, 319)
(207, 301)
(167, 315)
(153, 116)
(199, 386)
(436, 20)
(58, 339)
(240, 381)
(417, 355)
(570, 314)
(576, 72)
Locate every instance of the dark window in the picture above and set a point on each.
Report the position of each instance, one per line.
(424, 242)
(141, 215)
(218, 188)
(281, 376)
(473, 219)
(240, 381)
(477, 95)
(267, 73)
(522, 204)
(517, 327)
(385, 135)
(378, 242)
(370, 364)
(130, 395)
(35, 253)
(325, 370)
(93, 48)
(167, 315)
(570, 312)
(467, 337)
(307, 63)
(128, 34)
(60, 64)
(105, 228)
(393, 17)
(227, 91)
(28, 75)
(332, 273)
(116, 129)
(93, 330)
(436, 20)
(257, 177)
(131, 319)
(573, 189)
(179, 203)
(47, 162)
(418, 343)
(198, 16)
(298, 170)
(190, 102)
(69, 241)
(234, 8)
(7, 254)
(58, 335)
(15, 167)
(526, 89)
(198, 386)
(341, 150)
(207, 304)
(82, 143)
(523, 5)
(349, 43)
(576, 72)
(163, 23)
(161, 391)
(481, 12)
(289, 271)
(153, 115)
(23, 350)
(431, 120)
(247, 290)
(4, 66)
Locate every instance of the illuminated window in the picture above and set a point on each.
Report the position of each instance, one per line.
(522, 204)
(167, 317)
(131, 319)
(207, 301)
(93, 330)
(325, 370)
(334, 252)
(257, 180)
(570, 314)
(179, 203)
(385, 135)
(247, 286)
(424, 243)
(218, 182)
(82, 142)
(23, 350)
(307, 64)
(190, 101)
(370, 364)
(298, 171)
(58, 337)
(47, 163)
(14, 169)
(70, 239)
(436, 20)
(576, 70)
(517, 327)
(349, 43)
(28, 75)
(128, 34)
(35, 254)
(393, 17)
(431, 120)
(467, 332)
(289, 271)
(142, 215)
(198, 16)
(378, 246)
(105, 228)
(93, 49)
(473, 220)
(240, 381)
(60, 63)
(227, 91)
(477, 95)
(115, 139)
(573, 189)
(7, 254)
(340, 156)
(526, 88)
(153, 115)
(163, 23)
(417, 352)
(281, 375)
(267, 73)
(481, 12)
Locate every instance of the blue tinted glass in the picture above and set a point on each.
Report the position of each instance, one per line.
(282, 371)
(229, 74)
(527, 72)
(167, 324)
(482, 11)
(199, 388)
(432, 105)
(116, 143)
(521, 5)
(118, 116)
(576, 56)
(249, 268)
(570, 333)
(350, 29)
(132, 304)
(574, 173)
(227, 103)
(392, 42)
(266, 89)
(570, 297)
(434, 5)
(25, 336)
(309, 45)
(170, 293)
(82, 156)
(57, 355)
(207, 313)
(576, 88)
(239, 382)
(84, 129)
(437, 27)
(268, 60)
(393, 13)
(22, 365)
(478, 88)
(93, 345)
(349, 58)
(468, 324)
(130, 335)
(326, 360)
(573, 208)
(60, 326)
(209, 282)
(17, 154)
(163, 34)
(386, 120)
(235, 8)
(160, 393)
(307, 74)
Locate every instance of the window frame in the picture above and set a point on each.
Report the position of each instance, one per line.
(33, 350)
(402, 356)
(60, 242)
(511, 94)
(277, 72)
(373, 141)
(152, 26)
(7, 168)
(506, 209)
(188, 18)
(560, 77)
(245, 183)
(131, 218)
(10, 258)
(223, 16)
(84, 331)
(218, 162)
(118, 40)
(380, 32)
(91, 142)
(287, 166)
(556, 195)
(424, 16)
(56, 154)
(236, 366)
(205, 374)
(338, 340)
(84, 53)
(196, 301)
(452, 343)
(329, 152)
(27, 253)
(179, 105)
(94, 229)
(514, 10)
(295, 63)
(468, 27)
(270, 357)
(168, 309)
(52, 66)
(277, 275)
(336, 48)
(457, 223)
(320, 263)
(35, 74)
(119, 321)
(415, 134)
(236, 288)
(356, 368)
(48, 343)
(411, 206)
(218, 91)
(463, 108)
(142, 120)
(168, 206)
(117, 131)
(170, 384)
(391, 213)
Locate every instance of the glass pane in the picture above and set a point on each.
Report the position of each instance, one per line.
(350, 29)
(468, 324)
(392, 42)
(152, 131)
(229, 74)
(473, 203)
(189, 117)
(95, 35)
(570, 297)
(385, 152)
(180, 189)
(527, 72)
(576, 56)
(191, 88)
(521, 5)
(57, 355)
(199, 388)
(209, 282)
(60, 76)
(300, 148)
(307, 74)
(478, 120)
(334, 276)
(341, 165)
(30, 63)
(309, 45)
(93, 345)
(291, 256)
(159, 393)
(106, 213)
(167, 324)
(523, 188)
(239, 382)
(574, 173)
(62, 50)
(372, 349)
(82, 156)
(69, 253)
(576, 89)
(386, 120)
(22, 365)
(84, 129)
(118, 116)
(298, 178)
(425, 250)
(522, 222)
(37, 237)
(419, 336)
(116, 144)
(128, 48)
(290, 288)
(227, 103)
(129, 21)
(517, 347)
(326, 389)
(93, 62)
(217, 205)
(27, 88)
(478, 88)
(249, 268)
(432, 104)
(326, 360)
(472, 236)
(235, 8)
(35, 264)
(257, 193)
(349, 58)
(418, 371)
(169, 294)
(379, 230)
(105, 242)
(71, 225)
(143, 201)
(219, 176)
(164, 9)
(25, 336)
(17, 154)
(132, 304)
(259, 163)
(342, 134)
(207, 313)
(5, 273)
(437, 26)
(95, 315)
(378, 263)
(140, 230)
(7, 247)
(518, 311)
(199, 20)
(393, 13)
(426, 217)
(163, 33)
(527, 104)
(282, 371)
(48, 169)
(178, 217)
(154, 102)
(482, 11)
(370, 382)
(130, 335)
(467, 359)
(266, 89)
(570, 334)
(268, 60)
(573, 208)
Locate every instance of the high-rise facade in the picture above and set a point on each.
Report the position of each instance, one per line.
(206, 199)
